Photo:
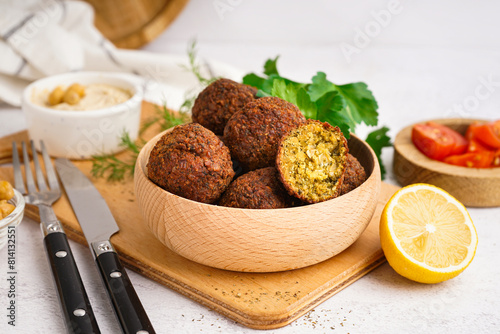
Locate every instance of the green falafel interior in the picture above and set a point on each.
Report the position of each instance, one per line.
(311, 161)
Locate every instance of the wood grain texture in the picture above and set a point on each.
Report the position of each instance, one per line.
(474, 187)
(256, 300)
(133, 23)
(264, 240)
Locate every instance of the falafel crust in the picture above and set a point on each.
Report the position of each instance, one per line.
(258, 189)
(311, 161)
(215, 105)
(192, 162)
(252, 134)
(354, 175)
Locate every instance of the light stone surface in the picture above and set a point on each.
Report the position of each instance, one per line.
(430, 58)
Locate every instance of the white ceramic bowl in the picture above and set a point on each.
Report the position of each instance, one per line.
(82, 134)
(13, 219)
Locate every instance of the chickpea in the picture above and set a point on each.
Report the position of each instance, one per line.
(77, 88)
(56, 96)
(5, 209)
(6, 190)
(71, 97)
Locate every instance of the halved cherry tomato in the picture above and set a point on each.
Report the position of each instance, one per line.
(460, 142)
(476, 160)
(488, 134)
(469, 134)
(432, 141)
(496, 159)
(476, 146)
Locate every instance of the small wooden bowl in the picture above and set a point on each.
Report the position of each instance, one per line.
(258, 240)
(474, 187)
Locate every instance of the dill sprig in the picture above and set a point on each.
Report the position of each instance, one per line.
(168, 118)
(195, 67)
(111, 167)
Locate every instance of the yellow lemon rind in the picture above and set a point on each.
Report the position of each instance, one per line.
(407, 266)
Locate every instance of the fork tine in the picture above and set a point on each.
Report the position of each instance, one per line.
(40, 180)
(18, 176)
(27, 170)
(49, 169)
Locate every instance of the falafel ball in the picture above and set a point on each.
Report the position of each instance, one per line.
(215, 105)
(258, 189)
(311, 161)
(354, 175)
(192, 162)
(252, 134)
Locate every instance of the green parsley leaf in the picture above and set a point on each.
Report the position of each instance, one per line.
(270, 66)
(320, 86)
(360, 107)
(304, 103)
(254, 80)
(295, 94)
(361, 104)
(330, 107)
(378, 139)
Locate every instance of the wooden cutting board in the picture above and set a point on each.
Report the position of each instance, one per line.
(256, 300)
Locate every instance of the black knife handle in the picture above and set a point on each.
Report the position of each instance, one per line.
(128, 308)
(75, 303)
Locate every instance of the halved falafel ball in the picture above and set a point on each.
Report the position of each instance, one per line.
(311, 161)
(192, 162)
(215, 105)
(258, 189)
(252, 134)
(354, 175)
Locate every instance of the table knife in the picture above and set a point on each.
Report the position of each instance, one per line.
(98, 225)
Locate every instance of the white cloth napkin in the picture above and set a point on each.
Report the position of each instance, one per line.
(43, 38)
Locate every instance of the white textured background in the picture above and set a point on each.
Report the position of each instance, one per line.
(430, 61)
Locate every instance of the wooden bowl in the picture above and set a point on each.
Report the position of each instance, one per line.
(474, 187)
(258, 240)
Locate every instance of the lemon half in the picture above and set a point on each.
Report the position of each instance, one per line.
(426, 234)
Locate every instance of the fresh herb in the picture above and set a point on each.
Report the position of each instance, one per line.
(168, 118)
(345, 106)
(195, 67)
(111, 167)
(378, 139)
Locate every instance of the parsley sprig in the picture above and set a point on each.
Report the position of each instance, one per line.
(345, 106)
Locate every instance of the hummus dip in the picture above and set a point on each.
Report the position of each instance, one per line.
(97, 96)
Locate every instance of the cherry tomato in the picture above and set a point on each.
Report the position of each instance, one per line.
(496, 159)
(460, 142)
(476, 146)
(471, 129)
(432, 141)
(488, 134)
(476, 160)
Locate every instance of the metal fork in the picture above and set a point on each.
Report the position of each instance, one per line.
(74, 301)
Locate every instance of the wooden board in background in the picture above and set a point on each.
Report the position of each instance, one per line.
(256, 300)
